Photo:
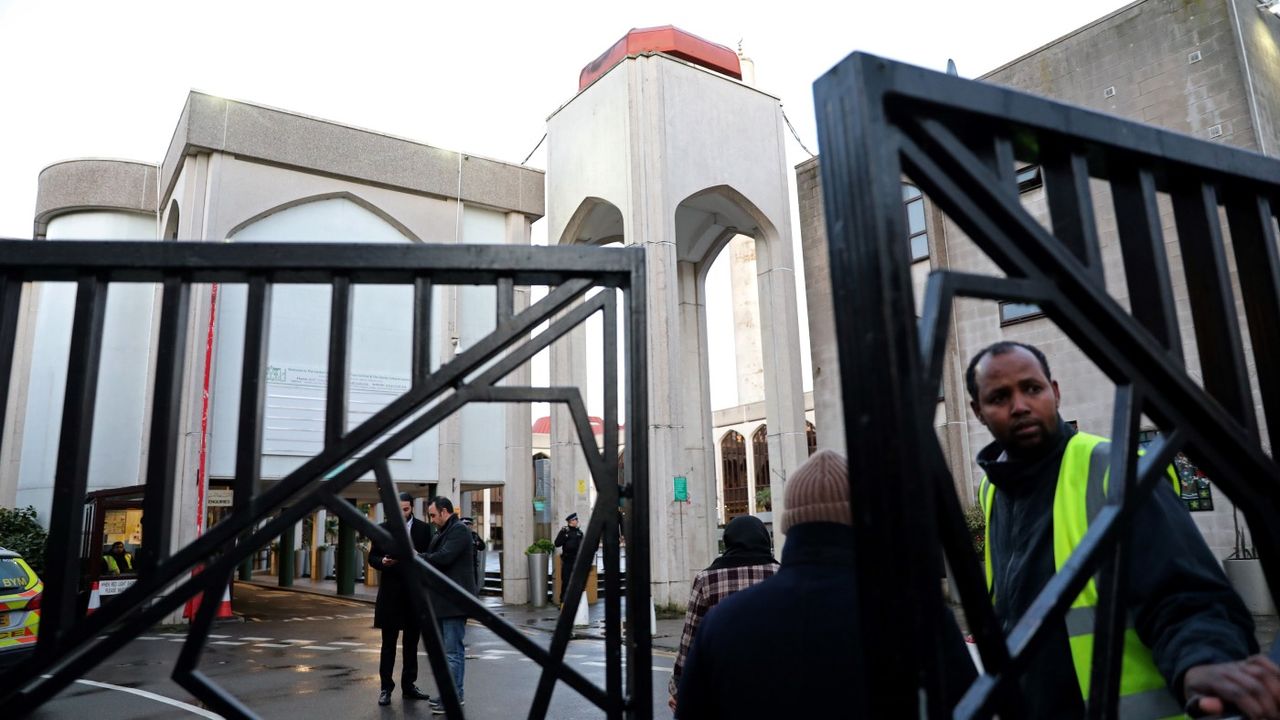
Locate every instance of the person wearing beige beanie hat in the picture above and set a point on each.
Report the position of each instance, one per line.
(798, 628)
(818, 491)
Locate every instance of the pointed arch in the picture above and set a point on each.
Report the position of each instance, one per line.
(339, 195)
(173, 221)
(596, 222)
(708, 219)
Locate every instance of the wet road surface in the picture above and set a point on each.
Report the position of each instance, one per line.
(300, 655)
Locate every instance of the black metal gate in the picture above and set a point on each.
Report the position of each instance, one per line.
(68, 647)
(959, 141)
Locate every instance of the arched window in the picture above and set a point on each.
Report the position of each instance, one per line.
(811, 434)
(760, 451)
(733, 464)
(916, 230)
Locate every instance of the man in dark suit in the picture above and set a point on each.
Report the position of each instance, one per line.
(453, 553)
(394, 613)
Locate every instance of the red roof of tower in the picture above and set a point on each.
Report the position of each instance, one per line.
(669, 40)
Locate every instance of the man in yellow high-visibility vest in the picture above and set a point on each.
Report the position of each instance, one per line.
(1189, 635)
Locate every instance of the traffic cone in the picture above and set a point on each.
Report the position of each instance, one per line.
(95, 600)
(224, 608)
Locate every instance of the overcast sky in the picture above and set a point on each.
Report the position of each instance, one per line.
(88, 78)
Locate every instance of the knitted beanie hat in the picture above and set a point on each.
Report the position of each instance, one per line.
(818, 491)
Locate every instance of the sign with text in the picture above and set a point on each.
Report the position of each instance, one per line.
(219, 497)
(294, 418)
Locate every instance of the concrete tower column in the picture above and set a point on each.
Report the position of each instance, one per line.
(517, 494)
(688, 158)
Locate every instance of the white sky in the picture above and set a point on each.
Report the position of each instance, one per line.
(87, 78)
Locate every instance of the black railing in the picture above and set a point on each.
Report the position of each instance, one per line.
(961, 142)
(68, 646)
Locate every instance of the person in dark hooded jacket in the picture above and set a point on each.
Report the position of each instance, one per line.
(1197, 642)
(747, 560)
(800, 624)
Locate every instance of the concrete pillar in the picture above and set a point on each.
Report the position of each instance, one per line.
(376, 514)
(486, 523)
(517, 494)
(284, 578)
(752, 480)
(746, 319)
(569, 469)
(11, 433)
(450, 430)
(345, 565)
(780, 340)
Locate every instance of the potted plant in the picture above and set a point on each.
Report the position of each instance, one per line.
(1244, 571)
(539, 553)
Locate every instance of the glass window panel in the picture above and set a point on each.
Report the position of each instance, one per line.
(1011, 311)
(919, 247)
(915, 216)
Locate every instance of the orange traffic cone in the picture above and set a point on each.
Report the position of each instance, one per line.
(224, 608)
(95, 600)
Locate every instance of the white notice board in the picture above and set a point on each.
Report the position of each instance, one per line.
(294, 422)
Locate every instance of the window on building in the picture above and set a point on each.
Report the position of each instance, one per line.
(1193, 484)
(811, 435)
(760, 452)
(916, 229)
(733, 472)
(1029, 178)
(1012, 312)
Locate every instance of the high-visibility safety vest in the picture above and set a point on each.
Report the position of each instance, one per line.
(1080, 495)
(113, 567)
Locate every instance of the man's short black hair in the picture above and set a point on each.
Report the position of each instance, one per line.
(406, 497)
(442, 503)
(1000, 348)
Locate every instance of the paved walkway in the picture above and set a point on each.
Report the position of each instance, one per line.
(665, 638)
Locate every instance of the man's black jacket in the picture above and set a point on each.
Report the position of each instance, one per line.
(1178, 598)
(394, 607)
(569, 538)
(453, 553)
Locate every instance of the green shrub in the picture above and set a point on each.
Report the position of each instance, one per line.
(542, 545)
(21, 533)
(976, 521)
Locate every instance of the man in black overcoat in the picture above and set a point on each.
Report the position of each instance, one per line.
(394, 613)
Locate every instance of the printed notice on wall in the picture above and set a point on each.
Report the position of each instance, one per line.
(294, 423)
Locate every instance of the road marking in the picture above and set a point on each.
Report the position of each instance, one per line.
(371, 650)
(201, 712)
(299, 642)
(275, 645)
(320, 647)
(219, 637)
(257, 639)
(227, 642)
(147, 637)
(346, 644)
